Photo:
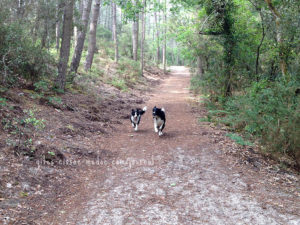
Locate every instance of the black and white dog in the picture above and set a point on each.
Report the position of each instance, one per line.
(136, 115)
(159, 118)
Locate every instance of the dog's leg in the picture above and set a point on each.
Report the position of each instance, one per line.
(133, 125)
(155, 126)
(136, 127)
(160, 129)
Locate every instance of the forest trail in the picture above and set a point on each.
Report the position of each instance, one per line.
(180, 178)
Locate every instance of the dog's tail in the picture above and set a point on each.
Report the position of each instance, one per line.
(144, 110)
(162, 109)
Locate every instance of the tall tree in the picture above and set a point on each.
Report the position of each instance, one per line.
(279, 39)
(224, 25)
(65, 44)
(165, 38)
(143, 37)
(157, 28)
(135, 33)
(58, 24)
(92, 36)
(115, 36)
(81, 35)
(21, 9)
(259, 9)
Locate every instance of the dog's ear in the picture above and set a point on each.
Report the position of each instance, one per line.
(132, 110)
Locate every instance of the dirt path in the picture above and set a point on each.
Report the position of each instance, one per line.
(180, 178)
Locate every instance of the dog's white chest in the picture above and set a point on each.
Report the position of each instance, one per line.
(158, 121)
(135, 119)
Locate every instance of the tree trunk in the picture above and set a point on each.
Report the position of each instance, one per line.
(21, 9)
(57, 26)
(229, 45)
(65, 45)
(92, 36)
(165, 38)
(107, 17)
(157, 36)
(200, 69)
(143, 37)
(81, 35)
(283, 65)
(115, 36)
(259, 46)
(135, 34)
(110, 19)
(77, 20)
(45, 34)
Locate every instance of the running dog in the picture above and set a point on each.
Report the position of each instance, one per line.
(135, 117)
(159, 119)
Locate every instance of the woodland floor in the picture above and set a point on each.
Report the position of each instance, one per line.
(193, 174)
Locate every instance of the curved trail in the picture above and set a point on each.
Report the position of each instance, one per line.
(179, 178)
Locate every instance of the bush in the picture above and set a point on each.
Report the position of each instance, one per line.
(104, 33)
(20, 57)
(210, 83)
(269, 111)
(119, 83)
(129, 70)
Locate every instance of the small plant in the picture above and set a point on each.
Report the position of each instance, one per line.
(23, 194)
(70, 127)
(3, 101)
(238, 139)
(51, 153)
(119, 83)
(32, 120)
(205, 119)
(23, 131)
(41, 86)
(55, 100)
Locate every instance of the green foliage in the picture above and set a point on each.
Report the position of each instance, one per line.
(241, 57)
(51, 153)
(55, 100)
(268, 111)
(21, 58)
(42, 86)
(125, 41)
(3, 101)
(104, 33)
(23, 130)
(238, 139)
(30, 119)
(119, 83)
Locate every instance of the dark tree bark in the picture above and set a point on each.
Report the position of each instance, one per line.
(262, 38)
(57, 26)
(45, 34)
(157, 21)
(279, 39)
(200, 70)
(143, 37)
(135, 34)
(92, 36)
(115, 35)
(81, 36)
(65, 45)
(229, 43)
(165, 38)
(259, 46)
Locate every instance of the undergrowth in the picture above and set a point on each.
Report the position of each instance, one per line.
(269, 112)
